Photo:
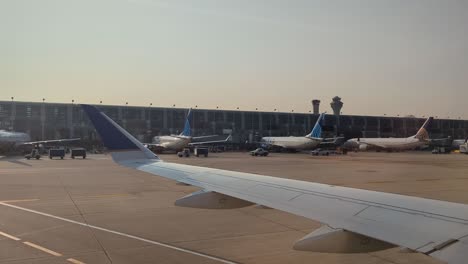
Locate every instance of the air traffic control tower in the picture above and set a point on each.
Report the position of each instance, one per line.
(336, 105)
(316, 106)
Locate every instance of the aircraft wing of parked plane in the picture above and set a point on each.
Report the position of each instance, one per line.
(332, 142)
(376, 144)
(50, 141)
(228, 138)
(353, 220)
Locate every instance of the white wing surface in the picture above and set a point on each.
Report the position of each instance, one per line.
(355, 220)
(227, 139)
(50, 141)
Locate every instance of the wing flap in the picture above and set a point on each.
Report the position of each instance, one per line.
(454, 253)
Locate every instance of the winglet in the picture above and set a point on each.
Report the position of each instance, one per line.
(317, 130)
(119, 142)
(187, 130)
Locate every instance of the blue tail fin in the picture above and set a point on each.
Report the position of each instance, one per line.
(317, 130)
(187, 130)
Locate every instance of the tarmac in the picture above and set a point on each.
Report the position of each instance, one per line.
(93, 211)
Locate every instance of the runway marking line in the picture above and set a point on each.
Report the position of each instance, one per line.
(188, 251)
(19, 201)
(9, 236)
(51, 252)
(74, 261)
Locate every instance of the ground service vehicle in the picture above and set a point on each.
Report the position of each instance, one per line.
(34, 154)
(184, 153)
(464, 148)
(200, 151)
(78, 152)
(259, 152)
(56, 153)
(322, 152)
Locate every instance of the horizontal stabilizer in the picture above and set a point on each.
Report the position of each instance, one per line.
(211, 200)
(329, 240)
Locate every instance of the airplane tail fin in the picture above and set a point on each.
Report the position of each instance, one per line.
(121, 144)
(187, 129)
(317, 130)
(423, 133)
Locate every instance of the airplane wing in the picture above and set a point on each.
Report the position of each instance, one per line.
(201, 137)
(210, 142)
(50, 141)
(441, 142)
(332, 142)
(354, 220)
(375, 145)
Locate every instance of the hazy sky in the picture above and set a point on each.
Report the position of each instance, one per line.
(394, 57)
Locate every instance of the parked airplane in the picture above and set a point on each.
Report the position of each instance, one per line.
(309, 141)
(421, 138)
(10, 140)
(354, 220)
(178, 142)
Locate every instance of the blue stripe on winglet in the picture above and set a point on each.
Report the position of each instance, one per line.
(110, 134)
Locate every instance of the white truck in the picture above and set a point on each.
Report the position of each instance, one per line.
(464, 148)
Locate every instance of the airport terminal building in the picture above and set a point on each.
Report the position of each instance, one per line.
(60, 120)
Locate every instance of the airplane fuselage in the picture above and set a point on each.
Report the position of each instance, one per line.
(10, 140)
(398, 144)
(172, 142)
(293, 143)
(13, 137)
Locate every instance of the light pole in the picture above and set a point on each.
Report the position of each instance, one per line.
(13, 114)
(148, 122)
(124, 121)
(149, 112)
(43, 119)
(271, 115)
